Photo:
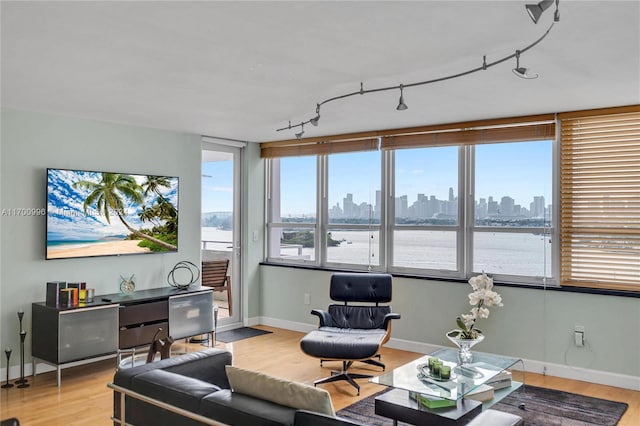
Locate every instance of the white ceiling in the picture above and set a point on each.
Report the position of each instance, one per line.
(243, 69)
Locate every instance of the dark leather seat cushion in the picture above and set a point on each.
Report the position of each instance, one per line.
(175, 389)
(359, 317)
(342, 343)
(207, 365)
(237, 409)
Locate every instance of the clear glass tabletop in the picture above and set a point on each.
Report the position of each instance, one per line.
(414, 376)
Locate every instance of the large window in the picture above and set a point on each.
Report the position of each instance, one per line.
(449, 204)
(292, 209)
(354, 208)
(425, 209)
(513, 209)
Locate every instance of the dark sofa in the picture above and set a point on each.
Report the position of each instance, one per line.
(197, 382)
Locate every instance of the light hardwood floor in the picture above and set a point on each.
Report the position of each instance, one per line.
(84, 399)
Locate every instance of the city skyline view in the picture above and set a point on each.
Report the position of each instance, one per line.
(519, 170)
(430, 207)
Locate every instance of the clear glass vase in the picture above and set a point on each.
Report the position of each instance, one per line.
(464, 346)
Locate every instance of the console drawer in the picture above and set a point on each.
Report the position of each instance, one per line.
(143, 313)
(141, 335)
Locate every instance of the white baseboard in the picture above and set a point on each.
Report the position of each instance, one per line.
(14, 371)
(533, 366)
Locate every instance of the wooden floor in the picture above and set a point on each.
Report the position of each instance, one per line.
(84, 399)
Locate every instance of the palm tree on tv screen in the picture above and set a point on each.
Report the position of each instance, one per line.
(108, 195)
(162, 209)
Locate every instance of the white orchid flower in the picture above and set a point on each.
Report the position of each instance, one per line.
(481, 299)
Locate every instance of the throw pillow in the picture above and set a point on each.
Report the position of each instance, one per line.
(280, 391)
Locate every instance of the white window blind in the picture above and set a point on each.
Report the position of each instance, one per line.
(600, 199)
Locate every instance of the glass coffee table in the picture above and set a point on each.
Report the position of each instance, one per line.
(413, 381)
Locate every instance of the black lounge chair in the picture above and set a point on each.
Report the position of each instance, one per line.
(352, 332)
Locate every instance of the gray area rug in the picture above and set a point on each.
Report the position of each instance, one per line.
(239, 334)
(543, 407)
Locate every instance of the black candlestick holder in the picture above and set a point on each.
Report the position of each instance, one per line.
(22, 382)
(7, 385)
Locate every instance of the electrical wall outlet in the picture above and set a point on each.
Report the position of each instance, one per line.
(307, 299)
(578, 335)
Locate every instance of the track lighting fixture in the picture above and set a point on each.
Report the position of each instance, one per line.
(401, 105)
(534, 11)
(522, 72)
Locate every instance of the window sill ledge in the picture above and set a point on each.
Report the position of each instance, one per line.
(572, 289)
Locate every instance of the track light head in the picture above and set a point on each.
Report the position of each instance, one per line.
(522, 72)
(401, 105)
(535, 10)
(299, 135)
(315, 119)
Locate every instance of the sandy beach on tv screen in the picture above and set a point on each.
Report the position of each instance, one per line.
(96, 249)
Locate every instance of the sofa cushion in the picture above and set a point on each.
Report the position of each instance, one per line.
(175, 389)
(205, 365)
(279, 391)
(243, 410)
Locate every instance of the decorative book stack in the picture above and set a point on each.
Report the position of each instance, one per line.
(53, 292)
(431, 402)
(482, 393)
(500, 381)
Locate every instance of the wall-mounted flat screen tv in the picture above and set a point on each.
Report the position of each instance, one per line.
(93, 213)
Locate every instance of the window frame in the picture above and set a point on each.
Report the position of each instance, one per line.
(270, 225)
(392, 227)
(326, 226)
(552, 231)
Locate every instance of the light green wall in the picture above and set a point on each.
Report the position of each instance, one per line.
(253, 221)
(533, 324)
(31, 142)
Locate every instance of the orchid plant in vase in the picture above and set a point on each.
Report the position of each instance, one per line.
(482, 298)
(467, 335)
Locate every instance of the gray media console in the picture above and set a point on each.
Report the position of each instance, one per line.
(69, 336)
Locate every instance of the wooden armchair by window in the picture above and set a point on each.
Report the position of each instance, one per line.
(214, 274)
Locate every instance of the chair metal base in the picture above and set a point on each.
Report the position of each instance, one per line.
(366, 361)
(344, 375)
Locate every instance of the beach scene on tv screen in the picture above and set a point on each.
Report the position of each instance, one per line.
(102, 214)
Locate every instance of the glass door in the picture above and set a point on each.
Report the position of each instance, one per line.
(220, 224)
